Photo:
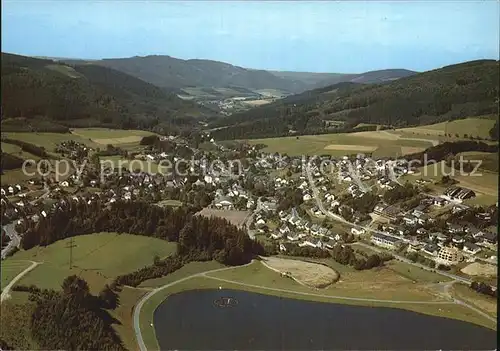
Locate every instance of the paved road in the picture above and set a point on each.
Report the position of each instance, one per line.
(368, 229)
(336, 297)
(15, 239)
(460, 302)
(140, 304)
(6, 291)
(137, 309)
(10, 229)
(249, 220)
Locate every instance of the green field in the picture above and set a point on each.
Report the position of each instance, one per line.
(382, 143)
(477, 127)
(484, 184)
(11, 268)
(92, 137)
(259, 279)
(11, 148)
(49, 140)
(103, 133)
(98, 258)
(66, 70)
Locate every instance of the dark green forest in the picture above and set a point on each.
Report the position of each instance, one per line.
(45, 91)
(453, 92)
(73, 319)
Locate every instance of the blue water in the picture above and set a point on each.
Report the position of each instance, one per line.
(192, 321)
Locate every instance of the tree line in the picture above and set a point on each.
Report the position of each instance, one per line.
(483, 288)
(453, 92)
(199, 238)
(73, 318)
(440, 152)
(27, 147)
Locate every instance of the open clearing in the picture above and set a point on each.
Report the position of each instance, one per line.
(380, 143)
(235, 217)
(482, 269)
(477, 127)
(408, 150)
(481, 182)
(11, 268)
(104, 136)
(114, 141)
(49, 140)
(362, 148)
(98, 258)
(310, 274)
(257, 102)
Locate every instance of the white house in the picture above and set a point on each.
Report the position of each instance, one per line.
(471, 248)
(307, 243)
(357, 231)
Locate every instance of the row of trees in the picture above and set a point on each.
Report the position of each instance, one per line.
(9, 161)
(399, 193)
(442, 151)
(27, 147)
(416, 257)
(199, 238)
(483, 288)
(345, 254)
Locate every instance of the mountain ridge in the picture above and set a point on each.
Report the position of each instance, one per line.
(174, 73)
(451, 92)
(86, 95)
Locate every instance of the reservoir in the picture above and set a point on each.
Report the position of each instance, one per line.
(238, 320)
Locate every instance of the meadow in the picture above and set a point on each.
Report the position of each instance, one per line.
(383, 283)
(484, 184)
(98, 258)
(11, 268)
(379, 143)
(476, 127)
(105, 136)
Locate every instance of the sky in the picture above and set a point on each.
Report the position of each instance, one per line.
(323, 36)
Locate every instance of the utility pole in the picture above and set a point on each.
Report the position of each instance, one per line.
(70, 252)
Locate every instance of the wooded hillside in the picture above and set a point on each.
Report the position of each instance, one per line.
(452, 92)
(85, 95)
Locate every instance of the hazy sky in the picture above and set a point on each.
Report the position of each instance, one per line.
(347, 36)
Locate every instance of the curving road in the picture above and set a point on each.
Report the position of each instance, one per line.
(338, 218)
(335, 297)
(6, 292)
(446, 290)
(138, 307)
(10, 229)
(15, 239)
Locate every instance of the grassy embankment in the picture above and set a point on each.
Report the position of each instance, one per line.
(383, 284)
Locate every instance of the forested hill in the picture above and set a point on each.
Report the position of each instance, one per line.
(170, 72)
(452, 92)
(85, 95)
(174, 73)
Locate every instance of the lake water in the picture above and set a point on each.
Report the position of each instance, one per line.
(195, 320)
